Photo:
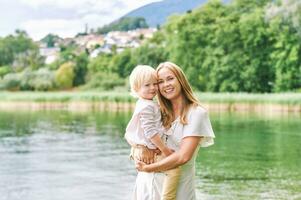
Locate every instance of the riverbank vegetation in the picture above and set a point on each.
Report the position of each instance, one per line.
(242, 46)
(94, 96)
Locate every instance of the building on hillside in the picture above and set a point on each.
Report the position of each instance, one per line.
(144, 33)
(50, 54)
(90, 41)
(128, 39)
(67, 42)
(95, 41)
(113, 41)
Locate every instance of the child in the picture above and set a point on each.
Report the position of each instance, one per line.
(144, 131)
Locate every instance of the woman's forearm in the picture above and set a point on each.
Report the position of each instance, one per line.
(170, 162)
(187, 149)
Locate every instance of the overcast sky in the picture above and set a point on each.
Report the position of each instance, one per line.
(62, 17)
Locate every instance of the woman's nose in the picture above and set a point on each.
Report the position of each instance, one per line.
(165, 83)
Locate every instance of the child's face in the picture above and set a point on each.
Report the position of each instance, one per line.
(148, 89)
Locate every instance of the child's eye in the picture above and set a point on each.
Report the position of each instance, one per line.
(159, 82)
(146, 85)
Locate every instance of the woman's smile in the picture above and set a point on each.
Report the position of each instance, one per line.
(169, 90)
(169, 85)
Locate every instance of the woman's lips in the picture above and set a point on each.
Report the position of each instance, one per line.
(169, 90)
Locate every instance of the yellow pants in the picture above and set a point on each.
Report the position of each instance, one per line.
(171, 180)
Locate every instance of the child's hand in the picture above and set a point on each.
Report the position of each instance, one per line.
(146, 155)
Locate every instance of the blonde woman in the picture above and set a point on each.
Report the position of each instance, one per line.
(189, 127)
(144, 133)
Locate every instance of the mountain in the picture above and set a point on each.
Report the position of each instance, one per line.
(157, 13)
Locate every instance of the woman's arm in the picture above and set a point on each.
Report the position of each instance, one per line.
(187, 149)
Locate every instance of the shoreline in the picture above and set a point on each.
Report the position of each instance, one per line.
(82, 106)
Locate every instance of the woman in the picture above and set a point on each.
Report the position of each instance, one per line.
(188, 128)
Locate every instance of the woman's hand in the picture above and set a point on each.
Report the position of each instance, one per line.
(141, 166)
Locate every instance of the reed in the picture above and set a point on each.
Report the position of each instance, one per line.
(93, 96)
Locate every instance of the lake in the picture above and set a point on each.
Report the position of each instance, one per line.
(59, 155)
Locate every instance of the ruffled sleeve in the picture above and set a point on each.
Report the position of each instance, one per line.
(149, 121)
(199, 125)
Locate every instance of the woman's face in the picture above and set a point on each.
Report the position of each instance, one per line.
(169, 85)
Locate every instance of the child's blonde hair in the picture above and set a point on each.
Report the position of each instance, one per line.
(139, 75)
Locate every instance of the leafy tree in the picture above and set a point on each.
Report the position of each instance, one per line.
(10, 81)
(148, 54)
(50, 39)
(232, 48)
(13, 45)
(104, 81)
(64, 76)
(100, 64)
(67, 53)
(286, 56)
(122, 63)
(124, 24)
(80, 69)
(4, 70)
(40, 80)
(44, 80)
(28, 59)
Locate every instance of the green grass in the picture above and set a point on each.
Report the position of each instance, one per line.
(274, 98)
(229, 98)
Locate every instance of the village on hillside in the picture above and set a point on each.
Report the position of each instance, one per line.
(95, 44)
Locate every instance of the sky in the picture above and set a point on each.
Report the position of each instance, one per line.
(65, 18)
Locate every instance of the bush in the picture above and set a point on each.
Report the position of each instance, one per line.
(4, 70)
(26, 78)
(44, 80)
(10, 82)
(105, 81)
(64, 76)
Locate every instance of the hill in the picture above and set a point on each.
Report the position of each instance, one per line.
(157, 13)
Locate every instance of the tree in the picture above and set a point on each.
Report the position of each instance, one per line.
(124, 24)
(51, 39)
(122, 63)
(13, 45)
(28, 59)
(80, 69)
(285, 27)
(64, 76)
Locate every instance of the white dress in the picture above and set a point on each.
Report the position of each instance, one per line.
(149, 185)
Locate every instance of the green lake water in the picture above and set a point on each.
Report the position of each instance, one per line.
(59, 155)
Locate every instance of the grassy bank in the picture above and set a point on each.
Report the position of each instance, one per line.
(216, 98)
(281, 102)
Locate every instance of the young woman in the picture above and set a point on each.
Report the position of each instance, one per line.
(144, 131)
(189, 128)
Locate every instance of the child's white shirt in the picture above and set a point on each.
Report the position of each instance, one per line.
(144, 124)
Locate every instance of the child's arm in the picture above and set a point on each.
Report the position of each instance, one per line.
(149, 126)
(157, 141)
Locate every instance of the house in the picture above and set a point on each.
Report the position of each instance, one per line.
(89, 41)
(50, 54)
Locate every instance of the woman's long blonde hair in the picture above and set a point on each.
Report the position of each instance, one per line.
(189, 97)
